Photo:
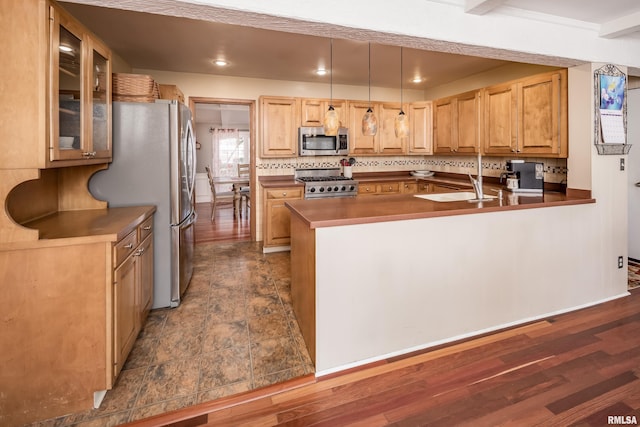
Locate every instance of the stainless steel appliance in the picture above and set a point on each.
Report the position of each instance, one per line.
(154, 163)
(313, 142)
(530, 176)
(326, 182)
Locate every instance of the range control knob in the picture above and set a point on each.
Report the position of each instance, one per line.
(344, 188)
(351, 188)
(312, 190)
(328, 188)
(321, 189)
(335, 188)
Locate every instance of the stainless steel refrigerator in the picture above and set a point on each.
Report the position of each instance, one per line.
(154, 164)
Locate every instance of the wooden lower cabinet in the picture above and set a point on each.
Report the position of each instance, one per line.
(386, 187)
(125, 316)
(145, 290)
(277, 219)
(132, 294)
(78, 298)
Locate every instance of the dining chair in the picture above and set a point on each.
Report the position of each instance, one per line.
(245, 191)
(219, 196)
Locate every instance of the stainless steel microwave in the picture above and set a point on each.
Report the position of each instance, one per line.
(313, 142)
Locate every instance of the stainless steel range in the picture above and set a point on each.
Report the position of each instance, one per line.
(326, 182)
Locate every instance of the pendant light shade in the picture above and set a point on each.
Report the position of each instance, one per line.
(401, 125)
(369, 121)
(331, 122)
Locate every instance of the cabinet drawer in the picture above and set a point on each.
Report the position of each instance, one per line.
(424, 187)
(145, 229)
(367, 189)
(124, 247)
(409, 187)
(286, 193)
(390, 187)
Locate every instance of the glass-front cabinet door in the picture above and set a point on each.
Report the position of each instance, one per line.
(80, 112)
(100, 91)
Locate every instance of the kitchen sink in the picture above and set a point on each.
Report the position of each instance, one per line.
(452, 197)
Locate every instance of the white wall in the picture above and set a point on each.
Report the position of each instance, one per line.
(413, 284)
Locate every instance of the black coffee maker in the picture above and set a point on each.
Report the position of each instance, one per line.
(530, 176)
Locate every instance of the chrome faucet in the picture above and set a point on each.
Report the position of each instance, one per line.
(477, 182)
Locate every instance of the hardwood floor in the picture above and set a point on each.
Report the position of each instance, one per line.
(574, 369)
(224, 228)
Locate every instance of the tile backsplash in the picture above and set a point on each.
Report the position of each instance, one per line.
(555, 169)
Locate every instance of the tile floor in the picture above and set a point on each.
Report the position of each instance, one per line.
(234, 331)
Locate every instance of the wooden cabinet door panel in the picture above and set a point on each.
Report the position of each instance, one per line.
(360, 144)
(500, 119)
(279, 127)
(125, 312)
(420, 121)
(145, 278)
(389, 143)
(311, 112)
(443, 129)
(539, 115)
(467, 122)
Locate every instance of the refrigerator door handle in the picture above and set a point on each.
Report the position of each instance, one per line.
(191, 152)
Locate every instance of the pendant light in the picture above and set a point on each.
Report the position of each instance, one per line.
(401, 125)
(369, 121)
(331, 122)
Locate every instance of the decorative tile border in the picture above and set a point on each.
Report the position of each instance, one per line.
(555, 169)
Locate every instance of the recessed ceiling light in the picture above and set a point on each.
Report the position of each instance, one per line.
(321, 72)
(417, 80)
(220, 62)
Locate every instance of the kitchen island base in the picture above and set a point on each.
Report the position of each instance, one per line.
(414, 284)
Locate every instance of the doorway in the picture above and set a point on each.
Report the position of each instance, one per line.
(225, 137)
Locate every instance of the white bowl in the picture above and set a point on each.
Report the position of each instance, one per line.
(66, 142)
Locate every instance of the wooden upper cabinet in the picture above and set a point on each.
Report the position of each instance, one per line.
(312, 111)
(457, 124)
(360, 144)
(279, 126)
(500, 119)
(388, 142)
(527, 117)
(421, 126)
(443, 139)
(80, 94)
(53, 92)
(542, 115)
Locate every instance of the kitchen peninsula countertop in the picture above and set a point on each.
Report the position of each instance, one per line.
(331, 212)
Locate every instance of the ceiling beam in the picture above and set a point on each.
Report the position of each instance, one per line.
(480, 7)
(621, 26)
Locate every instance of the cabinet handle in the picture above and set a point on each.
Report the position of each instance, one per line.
(390, 188)
(147, 228)
(284, 194)
(128, 246)
(513, 150)
(139, 252)
(89, 154)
